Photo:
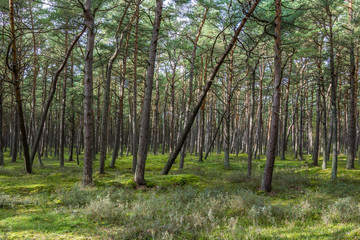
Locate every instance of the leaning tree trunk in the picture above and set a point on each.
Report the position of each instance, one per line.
(207, 86)
(35, 144)
(272, 142)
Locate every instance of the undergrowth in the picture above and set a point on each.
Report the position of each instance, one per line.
(203, 201)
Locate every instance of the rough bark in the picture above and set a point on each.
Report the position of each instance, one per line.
(88, 94)
(271, 149)
(15, 69)
(145, 115)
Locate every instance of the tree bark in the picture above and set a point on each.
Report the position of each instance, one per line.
(88, 93)
(15, 69)
(284, 138)
(63, 107)
(145, 115)
(333, 97)
(135, 140)
(352, 106)
(271, 151)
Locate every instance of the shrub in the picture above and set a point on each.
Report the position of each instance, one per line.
(342, 210)
(6, 201)
(103, 209)
(77, 196)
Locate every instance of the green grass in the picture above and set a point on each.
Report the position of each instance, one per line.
(203, 201)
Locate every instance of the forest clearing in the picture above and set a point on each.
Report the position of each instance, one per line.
(179, 119)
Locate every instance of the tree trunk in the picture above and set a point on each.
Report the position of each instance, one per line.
(284, 139)
(271, 151)
(16, 82)
(63, 107)
(135, 139)
(251, 121)
(88, 93)
(352, 106)
(227, 125)
(333, 98)
(145, 115)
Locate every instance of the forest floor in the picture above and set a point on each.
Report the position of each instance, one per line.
(204, 201)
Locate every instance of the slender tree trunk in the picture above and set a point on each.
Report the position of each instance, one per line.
(156, 114)
(63, 107)
(284, 139)
(251, 121)
(270, 158)
(333, 98)
(145, 115)
(1, 123)
(352, 105)
(35, 73)
(227, 124)
(134, 113)
(318, 120)
(88, 93)
(16, 81)
(72, 119)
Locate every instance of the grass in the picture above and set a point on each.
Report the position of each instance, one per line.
(203, 201)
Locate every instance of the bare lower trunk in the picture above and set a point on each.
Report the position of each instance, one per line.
(271, 151)
(88, 94)
(135, 139)
(352, 105)
(16, 82)
(63, 108)
(145, 115)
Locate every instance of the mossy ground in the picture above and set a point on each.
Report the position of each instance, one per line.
(204, 201)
